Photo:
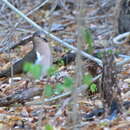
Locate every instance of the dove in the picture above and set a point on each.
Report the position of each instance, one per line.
(43, 52)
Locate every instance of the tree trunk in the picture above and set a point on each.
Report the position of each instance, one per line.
(124, 16)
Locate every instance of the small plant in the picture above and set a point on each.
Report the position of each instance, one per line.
(104, 124)
(48, 91)
(52, 70)
(99, 54)
(68, 82)
(88, 80)
(93, 88)
(59, 88)
(87, 36)
(48, 127)
(109, 52)
(60, 62)
(34, 69)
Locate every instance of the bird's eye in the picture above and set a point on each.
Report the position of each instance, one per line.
(45, 39)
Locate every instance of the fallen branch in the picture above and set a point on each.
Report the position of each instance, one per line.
(126, 59)
(121, 38)
(20, 96)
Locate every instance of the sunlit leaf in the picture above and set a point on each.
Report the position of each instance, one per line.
(48, 127)
(27, 66)
(48, 91)
(68, 82)
(87, 79)
(60, 62)
(87, 36)
(93, 88)
(99, 54)
(110, 51)
(36, 71)
(52, 70)
(59, 89)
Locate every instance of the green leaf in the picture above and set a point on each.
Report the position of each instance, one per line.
(36, 71)
(52, 70)
(87, 36)
(27, 66)
(109, 51)
(87, 79)
(99, 55)
(48, 91)
(59, 89)
(104, 124)
(48, 127)
(93, 88)
(68, 82)
(90, 50)
(61, 62)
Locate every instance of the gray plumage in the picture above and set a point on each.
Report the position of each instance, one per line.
(43, 51)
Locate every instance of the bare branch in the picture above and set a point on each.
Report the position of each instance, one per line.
(121, 38)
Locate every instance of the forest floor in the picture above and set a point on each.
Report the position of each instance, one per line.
(20, 109)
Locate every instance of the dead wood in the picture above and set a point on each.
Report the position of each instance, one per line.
(20, 96)
(124, 16)
(110, 91)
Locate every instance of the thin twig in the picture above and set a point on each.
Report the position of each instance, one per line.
(121, 38)
(126, 60)
(61, 109)
(95, 18)
(32, 11)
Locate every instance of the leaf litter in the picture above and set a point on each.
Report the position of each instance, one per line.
(27, 116)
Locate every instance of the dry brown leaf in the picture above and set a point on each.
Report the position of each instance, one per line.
(6, 66)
